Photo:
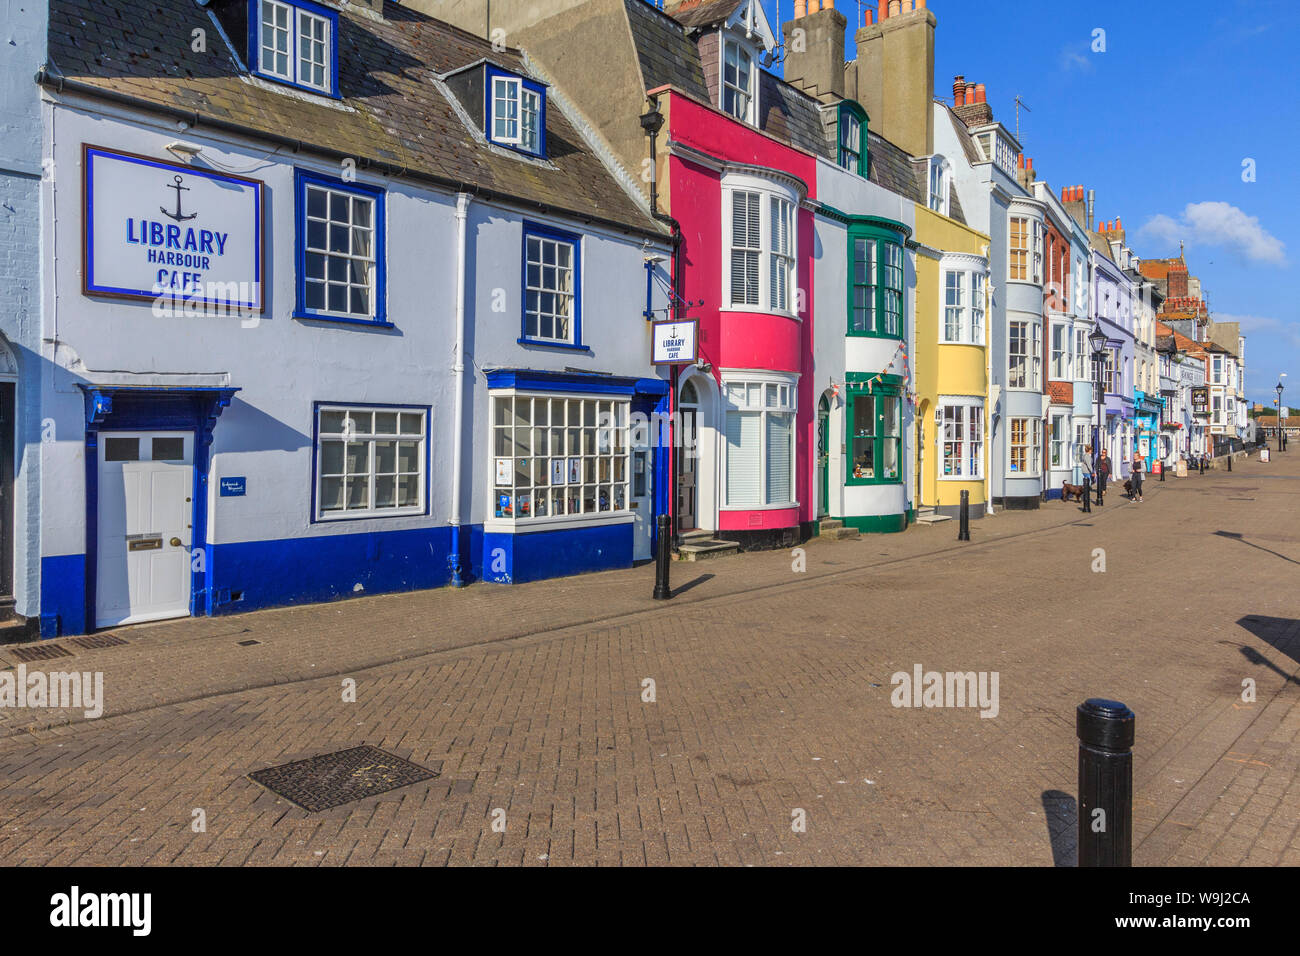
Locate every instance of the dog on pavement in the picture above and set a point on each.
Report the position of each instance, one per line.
(1069, 491)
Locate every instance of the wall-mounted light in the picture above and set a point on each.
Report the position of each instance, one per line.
(185, 152)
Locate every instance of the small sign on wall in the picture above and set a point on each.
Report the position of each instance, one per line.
(675, 343)
(557, 471)
(503, 471)
(235, 487)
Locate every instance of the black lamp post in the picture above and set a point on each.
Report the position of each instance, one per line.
(1279, 415)
(1098, 341)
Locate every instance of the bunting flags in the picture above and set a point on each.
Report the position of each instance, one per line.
(901, 351)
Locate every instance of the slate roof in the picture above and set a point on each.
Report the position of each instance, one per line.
(963, 137)
(791, 115)
(701, 13)
(667, 57)
(892, 168)
(393, 111)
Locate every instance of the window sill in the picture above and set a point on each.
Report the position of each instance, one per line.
(332, 518)
(304, 316)
(959, 478)
(869, 482)
(759, 310)
(852, 333)
(300, 87)
(742, 507)
(973, 345)
(543, 344)
(557, 522)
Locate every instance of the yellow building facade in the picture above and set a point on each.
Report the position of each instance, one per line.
(951, 370)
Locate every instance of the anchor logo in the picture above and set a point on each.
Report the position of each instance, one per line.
(177, 215)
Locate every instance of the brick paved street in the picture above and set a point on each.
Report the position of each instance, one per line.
(773, 694)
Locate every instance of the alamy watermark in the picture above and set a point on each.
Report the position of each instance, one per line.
(68, 690)
(923, 688)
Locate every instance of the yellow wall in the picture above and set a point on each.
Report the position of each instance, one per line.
(944, 369)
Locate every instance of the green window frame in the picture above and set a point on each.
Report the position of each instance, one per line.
(851, 119)
(873, 423)
(877, 305)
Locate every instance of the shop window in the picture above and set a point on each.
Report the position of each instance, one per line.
(556, 456)
(962, 434)
(875, 436)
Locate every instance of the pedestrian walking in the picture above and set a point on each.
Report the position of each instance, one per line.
(1102, 470)
(1139, 467)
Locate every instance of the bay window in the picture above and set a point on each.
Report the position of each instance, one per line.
(876, 282)
(1019, 234)
(1059, 443)
(1061, 354)
(1026, 446)
(875, 435)
(961, 423)
(760, 449)
(852, 153)
(963, 315)
(760, 238)
(1024, 369)
(558, 456)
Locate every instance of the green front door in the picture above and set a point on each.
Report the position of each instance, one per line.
(823, 457)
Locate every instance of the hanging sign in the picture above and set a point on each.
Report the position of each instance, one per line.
(675, 343)
(158, 230)
(1201, 399)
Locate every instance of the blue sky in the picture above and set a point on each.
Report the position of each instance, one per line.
(1159, 124)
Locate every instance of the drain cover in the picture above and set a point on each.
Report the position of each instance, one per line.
(334, 779)
(94, 641)
(248, 643)
(39, 652)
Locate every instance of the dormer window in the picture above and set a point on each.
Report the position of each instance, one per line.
(516, 112)
(739, 80)
(852, 123)
(940, 185)
(295, 42)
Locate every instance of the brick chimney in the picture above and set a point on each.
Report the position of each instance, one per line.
(817, 65)
(1073, 201)
(893, 76)
(1177, 279)
(972, 106)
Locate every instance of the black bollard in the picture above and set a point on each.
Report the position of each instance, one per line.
(1087, 494)
(1202, 464)
(662, 593)
(1229, 461)
(963, 532)
(1105, 731)
(1164, 466)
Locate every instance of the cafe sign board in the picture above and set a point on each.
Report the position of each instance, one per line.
(676, 342)
(155, 229)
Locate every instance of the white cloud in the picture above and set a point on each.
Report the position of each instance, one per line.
(1219, 224)
(1252, 325)
(1072, 58)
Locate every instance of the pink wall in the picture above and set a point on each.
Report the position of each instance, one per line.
(742, 339)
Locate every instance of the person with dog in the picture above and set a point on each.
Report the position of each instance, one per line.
(1102, 471)
(1139, 467)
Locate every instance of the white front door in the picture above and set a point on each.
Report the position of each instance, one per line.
(643, 503)
(142, 572)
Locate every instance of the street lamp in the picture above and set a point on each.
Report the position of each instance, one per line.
(1279, 413)
(1098, 340)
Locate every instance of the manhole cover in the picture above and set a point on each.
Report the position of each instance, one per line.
(39, 652)
(334, 779)
(94, 641)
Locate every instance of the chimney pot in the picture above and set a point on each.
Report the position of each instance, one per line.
(979, 92)
(800, 9)
(868, 17)
(1119, 226)
(895, 7)
(970, 94)
(958, 89)
(1020, 160)
(1029, 164)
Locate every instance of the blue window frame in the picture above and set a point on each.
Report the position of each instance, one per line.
(340, 248)
(294, 42)
(369, 460)
(514, 112)
(552, 288)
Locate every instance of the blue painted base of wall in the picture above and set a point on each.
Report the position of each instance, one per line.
(254, 575)
(63, 595)
(516, 558)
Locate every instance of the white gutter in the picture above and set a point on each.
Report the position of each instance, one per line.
(458, 382)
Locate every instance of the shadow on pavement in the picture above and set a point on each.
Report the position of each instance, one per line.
(1242, 538)
(692, 584)
(1062, 827)
(1280, 633)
